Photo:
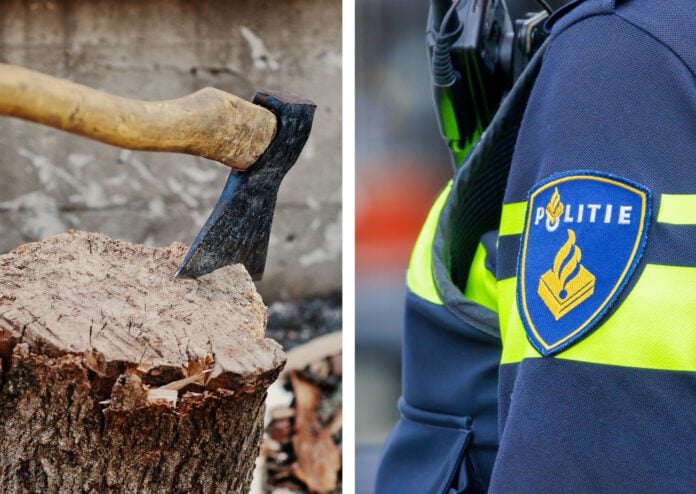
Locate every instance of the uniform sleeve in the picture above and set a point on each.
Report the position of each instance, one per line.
(596, 377)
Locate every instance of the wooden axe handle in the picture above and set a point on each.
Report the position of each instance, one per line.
(208, 123)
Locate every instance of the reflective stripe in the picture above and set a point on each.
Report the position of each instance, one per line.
(677, 209)
(481, 284)
(419, 277)
(516, 347)
(654, 327)
(512, 219)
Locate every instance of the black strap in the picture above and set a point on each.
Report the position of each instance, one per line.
(474, 206)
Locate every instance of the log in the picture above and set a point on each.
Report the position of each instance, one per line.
(116, 377)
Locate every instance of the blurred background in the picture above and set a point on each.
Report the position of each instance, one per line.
(162, 49)
(401, 166)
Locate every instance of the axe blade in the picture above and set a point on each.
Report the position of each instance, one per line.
(239, 227)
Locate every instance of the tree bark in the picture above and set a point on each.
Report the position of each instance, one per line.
(116, 377)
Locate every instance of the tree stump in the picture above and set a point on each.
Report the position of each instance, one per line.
(116, 377)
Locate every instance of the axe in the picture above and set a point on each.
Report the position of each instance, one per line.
(260, 141)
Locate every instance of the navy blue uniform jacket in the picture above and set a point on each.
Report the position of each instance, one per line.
(567, 361)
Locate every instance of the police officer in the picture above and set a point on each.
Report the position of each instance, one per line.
(557, 352)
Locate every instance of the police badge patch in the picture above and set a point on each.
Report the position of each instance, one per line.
(583, 237)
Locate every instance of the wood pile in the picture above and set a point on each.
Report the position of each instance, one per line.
(303, 444)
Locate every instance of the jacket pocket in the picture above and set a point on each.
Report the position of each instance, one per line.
(425, 454)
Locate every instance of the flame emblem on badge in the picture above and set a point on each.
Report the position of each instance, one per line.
(554, 209)
(568, 283)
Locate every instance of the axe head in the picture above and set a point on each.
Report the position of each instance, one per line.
(239, 227)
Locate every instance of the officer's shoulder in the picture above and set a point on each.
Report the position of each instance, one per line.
(670, 24)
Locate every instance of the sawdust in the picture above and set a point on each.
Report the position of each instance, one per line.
(119, 306)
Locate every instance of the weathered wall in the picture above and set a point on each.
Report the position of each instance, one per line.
(50, 181)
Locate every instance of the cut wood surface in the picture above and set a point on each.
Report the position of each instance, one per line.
(117, 377)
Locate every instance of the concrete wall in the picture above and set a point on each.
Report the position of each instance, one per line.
(51, 181)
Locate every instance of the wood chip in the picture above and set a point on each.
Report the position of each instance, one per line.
(313, 351)
(182, 383)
